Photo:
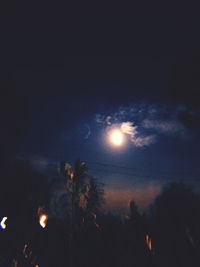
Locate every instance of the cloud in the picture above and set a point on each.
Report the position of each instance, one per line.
(100, 118)
(143, 122)
(128, 128)
(140, 111)
(165, 127)
(38, 162)
(144, 141)
(139, 141)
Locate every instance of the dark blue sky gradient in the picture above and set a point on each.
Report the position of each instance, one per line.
(49, 111)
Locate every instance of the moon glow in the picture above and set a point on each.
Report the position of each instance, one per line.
(116, 137)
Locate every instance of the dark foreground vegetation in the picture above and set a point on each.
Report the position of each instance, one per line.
(78, 234)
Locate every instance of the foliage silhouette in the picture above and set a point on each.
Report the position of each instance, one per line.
(175, 219)
(22, 192)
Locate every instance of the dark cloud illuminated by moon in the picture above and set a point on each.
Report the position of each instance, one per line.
(144, 122)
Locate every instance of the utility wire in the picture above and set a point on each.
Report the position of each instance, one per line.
(154, 177)
(142, 169)
(142, 172)
(138, 172)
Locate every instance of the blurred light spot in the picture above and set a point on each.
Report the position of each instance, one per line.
(3, 225)
(43, 220)
(116, 137)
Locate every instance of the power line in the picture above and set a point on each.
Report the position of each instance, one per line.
(133, 171)
(139, 169)
(142, 172)
(153, 177)
(139, 172)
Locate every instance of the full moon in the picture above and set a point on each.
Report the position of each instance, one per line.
(116, 137)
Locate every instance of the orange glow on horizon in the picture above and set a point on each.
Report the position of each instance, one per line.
(118, 198)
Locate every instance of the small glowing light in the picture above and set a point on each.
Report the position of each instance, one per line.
(3, 225)
(150, 243)
(24, 251)
(117, 137)
(43, 220)
(71, 175)
(147, 239)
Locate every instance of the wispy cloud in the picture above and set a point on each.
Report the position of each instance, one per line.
(144, 141)
(38, 162)
(143, 122)
(139, 141)
(129, 128)
(165, 127)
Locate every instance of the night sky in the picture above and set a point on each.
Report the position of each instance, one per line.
(64, 108)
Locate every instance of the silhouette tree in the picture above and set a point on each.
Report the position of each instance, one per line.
(136, 232)
(175, 214)
(23, 191)
(134, 214)
(95, 200)
(85, 198)
(85, 194)
(177, 205)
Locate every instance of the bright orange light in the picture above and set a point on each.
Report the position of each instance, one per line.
(43, 220)
(71, 175)
(147, 240)
(149, 243)
(3, 225)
